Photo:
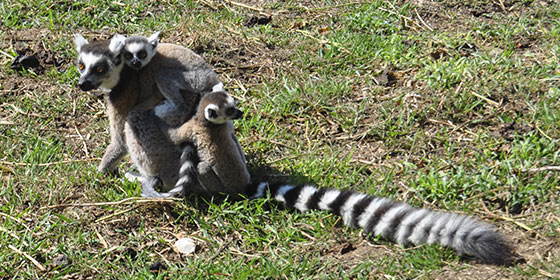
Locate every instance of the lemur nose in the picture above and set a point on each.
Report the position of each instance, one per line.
(238, 114)
(136, 64)
(86, 85)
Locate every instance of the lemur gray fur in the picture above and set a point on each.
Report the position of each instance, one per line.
(210, 131)
(134, 94)
(379, 216)
(138, 53)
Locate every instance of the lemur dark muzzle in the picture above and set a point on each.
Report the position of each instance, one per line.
(136, 64)
(86, 85)
(238, 114)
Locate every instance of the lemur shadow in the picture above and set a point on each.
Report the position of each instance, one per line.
(260, 172)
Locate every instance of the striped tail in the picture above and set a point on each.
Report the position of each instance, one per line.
(187, 173)
(398, 222)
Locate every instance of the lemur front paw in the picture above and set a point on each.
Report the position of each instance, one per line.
(163, 109)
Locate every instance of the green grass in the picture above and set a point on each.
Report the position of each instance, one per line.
(448, 105)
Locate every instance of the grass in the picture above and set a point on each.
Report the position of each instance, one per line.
(446, 105)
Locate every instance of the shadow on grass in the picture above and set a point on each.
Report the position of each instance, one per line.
(260, 172)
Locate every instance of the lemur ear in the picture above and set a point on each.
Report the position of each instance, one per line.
(211, 112)
(117, 44)
(80, 41)
(218, 87)
(153, 40)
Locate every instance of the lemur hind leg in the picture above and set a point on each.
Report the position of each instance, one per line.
(150, 150)
(149, 189)
(134, 177)
(149, 185)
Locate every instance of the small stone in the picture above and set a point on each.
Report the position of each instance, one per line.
(61, 260)
(185, 245)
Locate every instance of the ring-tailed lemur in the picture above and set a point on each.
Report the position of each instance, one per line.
(381, 216)
(134, 94)
(210, 130)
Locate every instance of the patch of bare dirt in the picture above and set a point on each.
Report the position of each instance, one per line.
(355, 254)
(445, 15)
(243, 63)
(31, 42)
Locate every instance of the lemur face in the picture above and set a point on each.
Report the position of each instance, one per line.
(99, 63)
(139, 50)
(220, 108)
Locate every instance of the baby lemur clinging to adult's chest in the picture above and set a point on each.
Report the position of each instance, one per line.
(210, 130)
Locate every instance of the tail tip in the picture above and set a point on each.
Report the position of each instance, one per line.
(492, 248)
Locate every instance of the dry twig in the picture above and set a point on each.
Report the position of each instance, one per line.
(48, 163)
(261, 11)
(86, 151)
(422, 20)
(490, 101)
(34, 261)
(116, 214)
(544, 168)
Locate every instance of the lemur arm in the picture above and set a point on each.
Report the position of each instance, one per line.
(179, 135)
(176, 109)
(209, 179)
(184, 133)
(231, 169)
(176, 116)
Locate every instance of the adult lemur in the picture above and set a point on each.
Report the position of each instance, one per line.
(381, 216)
(172, 71)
